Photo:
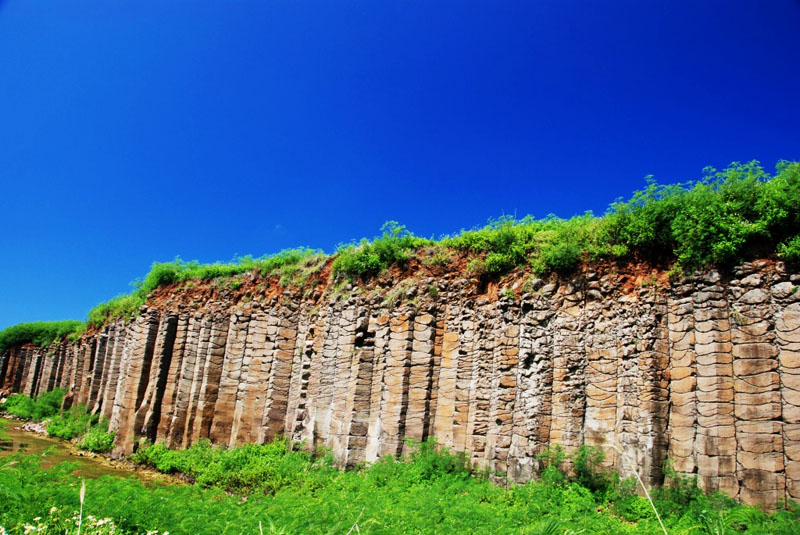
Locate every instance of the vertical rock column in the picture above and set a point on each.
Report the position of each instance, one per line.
(250, 399)
(757, 396)
(230, 379)
(533, 405)
(480, 401)
(9, 360)
(174, 376)
(502, 406)
(48, 360)
(375, 433)
(569, 374)
(787, 330)
(443, 424)
(394, 401)
(715, 442)
(99, 364)
(188, 381)
(148, 414)
(277, 396)
(210, 377)
(683, 380)
(323, 372)
(32, 371)
(602, 366)
(133, 383)
(343, 364)
(464, 325)
(359, 394)
(650, 442)
(420, 377)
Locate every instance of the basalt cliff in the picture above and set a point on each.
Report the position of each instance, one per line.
(704, 371)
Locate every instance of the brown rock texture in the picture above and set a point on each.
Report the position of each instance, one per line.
(704, 371)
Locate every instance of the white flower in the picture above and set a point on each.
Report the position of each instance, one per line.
(53, 509)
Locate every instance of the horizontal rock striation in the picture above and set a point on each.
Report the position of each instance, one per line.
(705, 372)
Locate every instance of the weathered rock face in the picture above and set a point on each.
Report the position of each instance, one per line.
(705, 372)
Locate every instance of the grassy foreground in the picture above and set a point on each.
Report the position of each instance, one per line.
(430, 492)
(89, 430)
(290, 491)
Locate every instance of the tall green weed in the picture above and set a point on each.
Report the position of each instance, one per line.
(37, 408)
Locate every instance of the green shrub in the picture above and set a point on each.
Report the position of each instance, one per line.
(38, 408)
(48, 404)
(41, 333)
(179, 271)
(368, 258)
(438, 256)
(19, 405)
(589, 472)
(476, 268)
(263, 468)
(72, 423)
(725, 217)
(790, 251)
(98, 440)
(429, 492)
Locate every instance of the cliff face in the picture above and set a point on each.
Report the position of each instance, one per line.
(705, 372)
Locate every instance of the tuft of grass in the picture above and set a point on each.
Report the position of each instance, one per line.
(368, 258)
(179, 271)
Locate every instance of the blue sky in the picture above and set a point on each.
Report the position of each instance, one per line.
(137, 131)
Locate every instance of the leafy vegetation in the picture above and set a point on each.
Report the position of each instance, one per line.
(725, 217)
(98, 440)
(285, 264)
(368, 258)
(75, 422)
(40, 333)
(251, 468)
(431, 491)
(37, 408)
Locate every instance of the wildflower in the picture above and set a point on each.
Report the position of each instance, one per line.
(53, 509)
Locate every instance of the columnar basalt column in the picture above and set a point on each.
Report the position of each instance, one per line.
(757, 396)
(683, 381)
(787, 331)
(135, 380)
(704, 371)
(230, 379)
(715, 442)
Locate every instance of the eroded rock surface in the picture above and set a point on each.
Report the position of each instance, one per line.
(705, 371)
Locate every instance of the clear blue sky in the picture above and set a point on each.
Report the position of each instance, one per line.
(134, 131)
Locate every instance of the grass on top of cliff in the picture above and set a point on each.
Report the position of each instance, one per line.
(429, 492)
(40, 333)
(725, 217)
(291, 265)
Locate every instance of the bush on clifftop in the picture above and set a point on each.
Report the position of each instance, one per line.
(40, 333)
(726, 217)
